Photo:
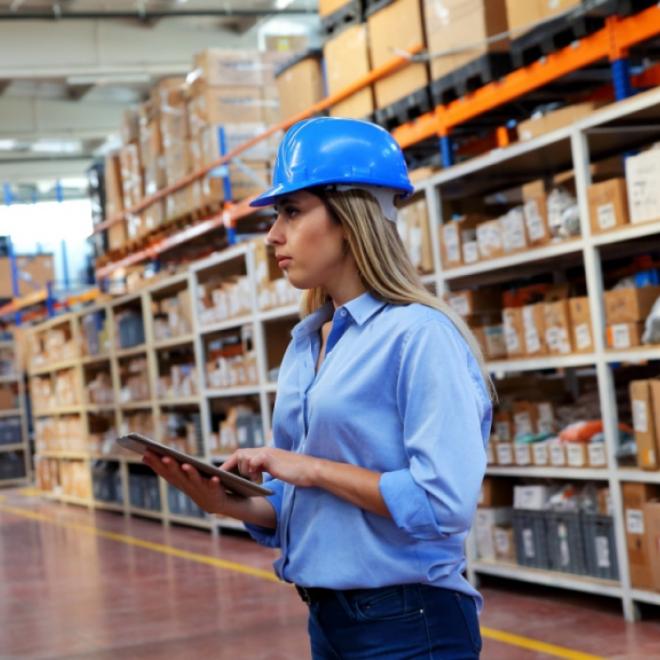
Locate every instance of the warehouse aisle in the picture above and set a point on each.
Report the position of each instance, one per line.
(75, 584)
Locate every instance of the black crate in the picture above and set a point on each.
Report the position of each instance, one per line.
(600, 546)
(565, 545)
(404, 110)
(349, 14)
(372, 6)
(470, 77)
(530, 534)
(12, 465)
(10, 431)
(131, 330)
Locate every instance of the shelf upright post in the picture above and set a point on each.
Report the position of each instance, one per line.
(620, 64)
(606, 386)
(15, 287)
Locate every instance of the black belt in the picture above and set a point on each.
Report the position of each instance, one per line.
(314, 594)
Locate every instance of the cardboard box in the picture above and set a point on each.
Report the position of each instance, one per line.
(489, 239)
(642, 176)
(469, 302)
(532, 128)
(495, 345)
(327, 7)
(504, 453)
(490, 454)
(484, 525)
(652, 540)
(525, 418)
(227, 104)
(596, 454)
(576, 455)
(635, 496)
(514, 235)
(523, 15)
(533, 321)
(413, 226)
(495, 493)
(558, 454)
(503, 426)
(452, 239)
(541, 454)
(451, 24)
(580, 318)
(35, 271)
(530, 498)
(346, 59)
(523, 454)
(396, 27)
(505, 549)
(512, 322)
(557, 327)
(624, 335)
(630, 305)
(219, 66)
(300, 85)
(644, 422)
(608, 205)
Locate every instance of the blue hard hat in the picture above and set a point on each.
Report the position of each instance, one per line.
(333, 150)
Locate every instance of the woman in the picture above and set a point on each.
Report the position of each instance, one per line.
(383, 410)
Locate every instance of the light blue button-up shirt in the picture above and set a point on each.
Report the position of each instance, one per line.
(400, 393)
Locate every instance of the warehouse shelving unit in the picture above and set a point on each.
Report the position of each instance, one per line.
(18, 445)
(601, 135)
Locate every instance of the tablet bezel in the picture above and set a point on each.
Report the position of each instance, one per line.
(231, 482)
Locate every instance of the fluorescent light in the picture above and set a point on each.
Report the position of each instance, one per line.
(7, 145)
(282, 4)
(56, 146)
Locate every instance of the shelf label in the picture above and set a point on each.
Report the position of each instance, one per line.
(605, 216)
(522, 455)
(620, 336)
(575, 454)
(534, 221)
(640, 418)
(597, 456)
(504, 454)
(558, 455)
(583, 336)
(634, 521)
(460, 304)
(603, 552)
(541, 455)
(470, 252)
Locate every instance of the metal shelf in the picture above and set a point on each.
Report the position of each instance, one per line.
(549, 578)
(92, 359)
(174, 341)
(641, 354)
(533, 255)
(646, 596)
(55, 366)
(628, 233)
(548, 362)
(192, 521)
(136, 405)
(130, 352)
(279, 313)
(227, 324)
(245, 390)
(60, 410)
(64, 455)
(270, 388)
(179, 401)
(591, 474)
(11, 412)
(147, 513)
(108, 506)
(13, 378)
(643, 476)
(16, 446)
(13, 482)
(100, 407)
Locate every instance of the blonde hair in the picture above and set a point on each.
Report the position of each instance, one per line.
(383, 263)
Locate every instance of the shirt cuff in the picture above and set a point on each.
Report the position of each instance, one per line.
(408, 504)
(266, 535)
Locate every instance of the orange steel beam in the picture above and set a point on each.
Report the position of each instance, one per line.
(376, 74)
(625, 32)
(25, 301)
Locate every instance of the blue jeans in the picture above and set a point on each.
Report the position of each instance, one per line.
(411, 621)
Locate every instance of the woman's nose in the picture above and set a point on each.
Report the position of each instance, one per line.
(274, 235)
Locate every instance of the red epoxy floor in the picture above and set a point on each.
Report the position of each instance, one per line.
(65, 593)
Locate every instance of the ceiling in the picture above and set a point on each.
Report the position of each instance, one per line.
(69, 69)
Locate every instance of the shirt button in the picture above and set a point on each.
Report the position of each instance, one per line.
(343, 312)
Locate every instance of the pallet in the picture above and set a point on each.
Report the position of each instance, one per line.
(372, 6)
(471, 76)
(350, 14)
(553, 36)
(406, 109)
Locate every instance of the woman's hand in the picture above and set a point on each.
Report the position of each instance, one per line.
(296, 469)
(208, 494)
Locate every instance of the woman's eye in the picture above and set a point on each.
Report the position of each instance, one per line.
(291, 211)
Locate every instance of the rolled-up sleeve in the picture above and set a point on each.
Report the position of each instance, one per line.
(446, 415)
(265, 535)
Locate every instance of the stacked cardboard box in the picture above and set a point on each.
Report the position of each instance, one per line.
(273, 289)
(54, 434)
(300, 84)
(172, 315)
(645, 404)
(223, 298)
(641, 512)
(179, 381)
(134, 382)
(462, 25)
(626, 310)
(413, 226)
(231, 360)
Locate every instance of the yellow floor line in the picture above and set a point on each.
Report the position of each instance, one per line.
(536, 645)
(489, 633)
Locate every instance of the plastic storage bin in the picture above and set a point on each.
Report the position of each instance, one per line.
(600, 548)
(12, 465)
(565, 544)
(181, 505)
(530, 534)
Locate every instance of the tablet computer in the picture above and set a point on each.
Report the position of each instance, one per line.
(231, 482)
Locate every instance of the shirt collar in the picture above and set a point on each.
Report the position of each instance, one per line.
(361, 310)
